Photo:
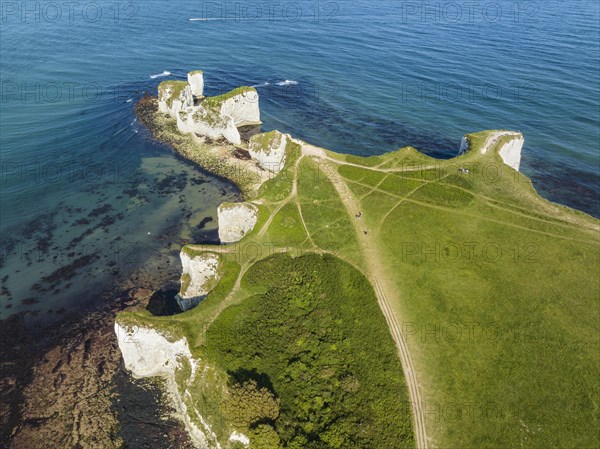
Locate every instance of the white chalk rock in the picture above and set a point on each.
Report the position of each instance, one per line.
(196, 81)
(239, 437)
(511, 152)
(208, 122)
(183, 122)
(215, 117)
(148, 353)
(187, 98)
(199, 276)
(236, 220)
(173, 96)
(269, 150)
(242, 107)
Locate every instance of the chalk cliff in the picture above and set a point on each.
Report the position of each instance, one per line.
(196, 82)
(510, 152)
(236, 220)
(511, 144)
(148, 353)
(269, 150)
(215, 117)
(199, 276)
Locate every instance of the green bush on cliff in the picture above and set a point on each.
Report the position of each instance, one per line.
(247, 405)
(324, 349)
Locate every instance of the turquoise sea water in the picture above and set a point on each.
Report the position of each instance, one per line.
(87, 196)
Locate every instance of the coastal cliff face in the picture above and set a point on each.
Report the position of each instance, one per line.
(196, 82)
(509, 151)
(199, 276)
(231, 345)
(464, 146)
(236, 220)
(242, 107)
(215, 117)
(269, 150)
(148, 353)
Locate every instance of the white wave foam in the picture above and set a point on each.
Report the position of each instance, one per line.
(129, 101)
(265, 84)
(165, 73)
(287, 83)
(223, 19)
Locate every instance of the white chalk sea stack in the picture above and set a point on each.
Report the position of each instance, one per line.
(269, 150)
(215, 117)
(199, 276)
(196, 82)
(236, 220)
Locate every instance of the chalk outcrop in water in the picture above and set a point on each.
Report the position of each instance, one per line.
(200, 275)
(215, 117)
(196, 82)
(173, 96)
(269, 150)
(236, 220)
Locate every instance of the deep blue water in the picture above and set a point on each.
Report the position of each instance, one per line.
(81, 178)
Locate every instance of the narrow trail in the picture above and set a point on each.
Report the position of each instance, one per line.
(476, 216)
(293, 196)
(383, 290)
(386, 292)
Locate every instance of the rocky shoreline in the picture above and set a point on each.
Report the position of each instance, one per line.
(64, 385)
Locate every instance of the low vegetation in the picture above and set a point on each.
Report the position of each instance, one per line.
(494, 289)
(314, 351)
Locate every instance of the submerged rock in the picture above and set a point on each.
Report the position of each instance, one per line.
(236, 220)
(269, 150)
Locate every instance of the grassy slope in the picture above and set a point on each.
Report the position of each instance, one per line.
(311, 336)
(504, 338)
(361, 393)
(499, 299)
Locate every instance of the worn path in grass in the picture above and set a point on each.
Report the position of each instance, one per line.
(368, 244)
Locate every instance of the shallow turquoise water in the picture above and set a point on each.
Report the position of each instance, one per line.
(362, 77)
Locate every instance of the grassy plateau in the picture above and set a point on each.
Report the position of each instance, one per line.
(397, 301)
